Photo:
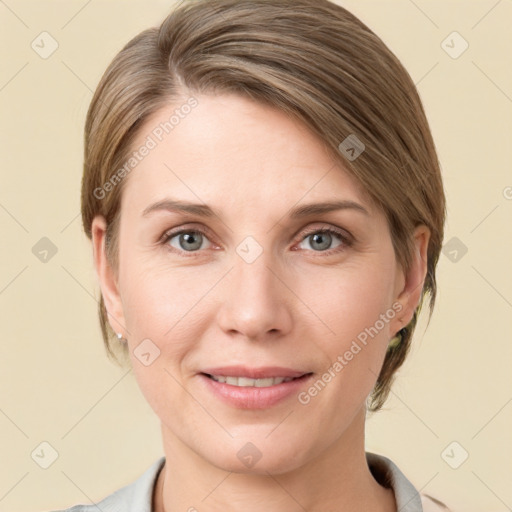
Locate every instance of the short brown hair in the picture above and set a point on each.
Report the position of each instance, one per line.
(313, 60)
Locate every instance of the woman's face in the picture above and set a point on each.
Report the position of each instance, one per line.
(252, 287)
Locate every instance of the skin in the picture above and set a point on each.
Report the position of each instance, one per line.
(298, 305)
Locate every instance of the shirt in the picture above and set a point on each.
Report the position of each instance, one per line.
(138, 496)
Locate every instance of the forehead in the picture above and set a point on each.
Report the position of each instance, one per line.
(233, 148)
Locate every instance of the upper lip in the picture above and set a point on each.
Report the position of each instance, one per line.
(254, 373)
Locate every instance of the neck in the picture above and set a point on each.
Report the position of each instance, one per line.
(336, 479)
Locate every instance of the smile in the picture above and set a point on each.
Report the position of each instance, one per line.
(260, 389)
(248, 382)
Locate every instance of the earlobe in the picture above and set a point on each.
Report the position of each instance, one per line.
(410, 294)
(106, 276)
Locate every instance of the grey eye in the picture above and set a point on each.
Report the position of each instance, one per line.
(322, 240)
(187, 241)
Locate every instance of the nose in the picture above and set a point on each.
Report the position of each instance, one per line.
(257, 303)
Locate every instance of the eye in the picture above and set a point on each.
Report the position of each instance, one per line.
(325, 239)
(189, 240)
(318, 240)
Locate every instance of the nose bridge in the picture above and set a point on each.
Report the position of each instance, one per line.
(254, 280)
(255, 301)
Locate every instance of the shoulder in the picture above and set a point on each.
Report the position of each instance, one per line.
(432, 505)
(76, 508)
(407, 497)
(135, 497)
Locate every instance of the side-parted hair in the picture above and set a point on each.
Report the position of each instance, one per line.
(313, 60)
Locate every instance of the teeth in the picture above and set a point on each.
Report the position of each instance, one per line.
(247, 382)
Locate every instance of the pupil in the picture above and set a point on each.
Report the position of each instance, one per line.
(191, 241)
(323, 239)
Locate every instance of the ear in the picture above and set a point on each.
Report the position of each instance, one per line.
(107, 277)
(411, 284)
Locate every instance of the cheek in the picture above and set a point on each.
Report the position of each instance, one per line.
(349, 301)
(160, 301)
(164, 313)
(353, 311)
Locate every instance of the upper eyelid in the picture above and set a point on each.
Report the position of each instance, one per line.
(184, 229)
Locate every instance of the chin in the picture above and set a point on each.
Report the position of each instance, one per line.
(259, 456)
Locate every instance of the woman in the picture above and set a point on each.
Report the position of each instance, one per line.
(266, 211)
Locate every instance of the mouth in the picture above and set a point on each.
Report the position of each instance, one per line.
(246, 382)
(253, 388)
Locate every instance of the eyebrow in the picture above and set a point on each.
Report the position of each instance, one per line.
(299, 212)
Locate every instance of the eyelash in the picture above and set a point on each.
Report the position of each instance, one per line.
(346, 241)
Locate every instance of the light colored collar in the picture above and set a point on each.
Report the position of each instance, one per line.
(138, 496)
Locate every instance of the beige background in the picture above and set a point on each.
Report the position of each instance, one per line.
(57, 385)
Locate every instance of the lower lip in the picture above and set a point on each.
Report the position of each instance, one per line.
(251, 397)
